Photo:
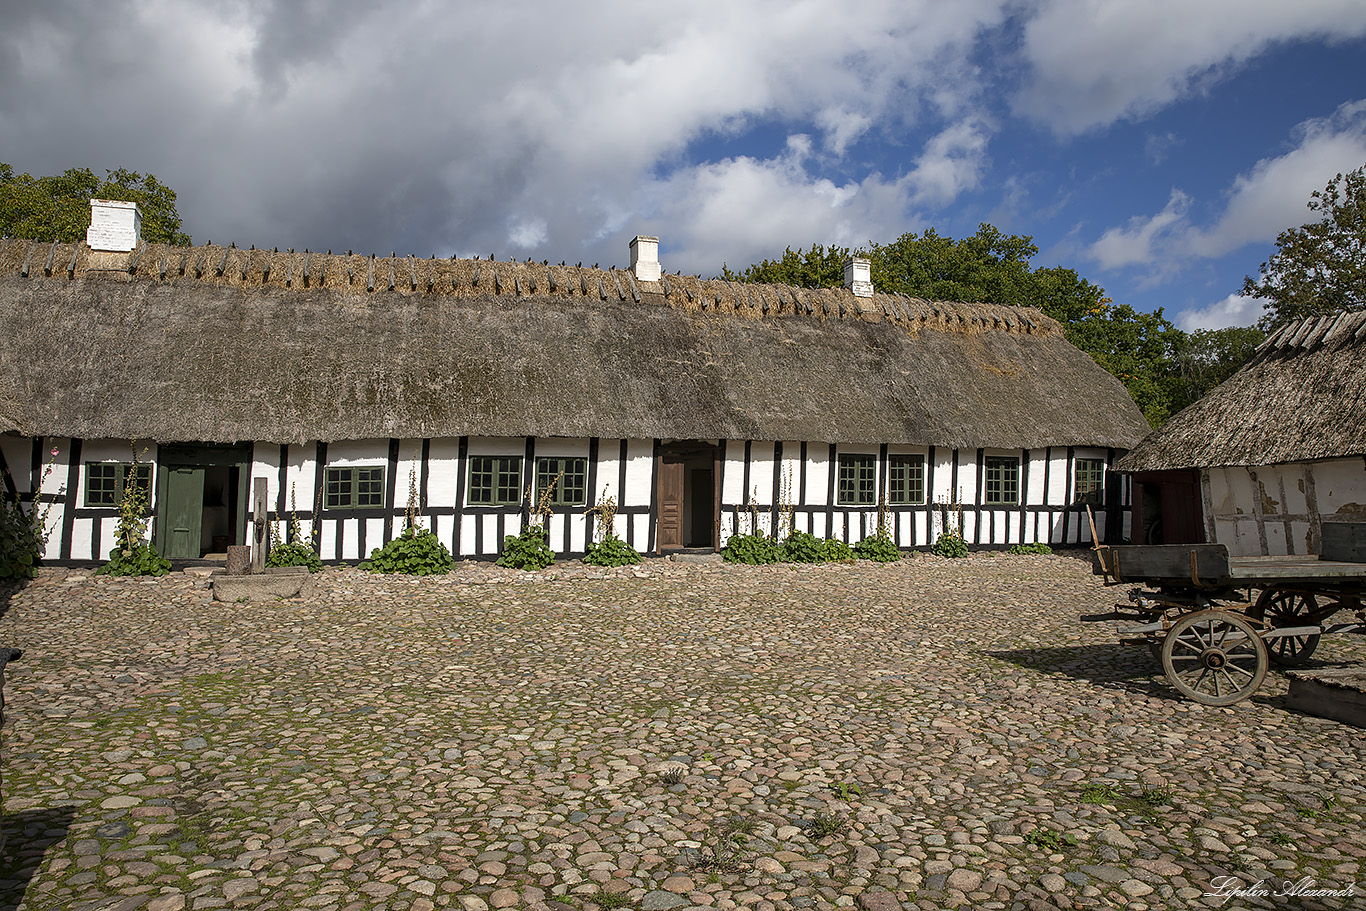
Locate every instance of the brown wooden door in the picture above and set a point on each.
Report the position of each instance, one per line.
(671, 477)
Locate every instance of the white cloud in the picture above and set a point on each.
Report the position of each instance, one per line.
(743, 209)
(1098, 61)
(1234, 310)
(1259, 205)
(547, 126)
(1142, 240)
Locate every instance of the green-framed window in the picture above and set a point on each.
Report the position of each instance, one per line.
(857, 481)
(906, 480)
(572, 487)
(106, 481)
(1090, 481)
(495, 481)
(354, 487)
(1002, 481)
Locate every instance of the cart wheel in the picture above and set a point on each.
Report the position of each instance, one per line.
(1214, 657)
(1284, 608)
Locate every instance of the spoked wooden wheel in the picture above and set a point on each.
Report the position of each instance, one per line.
(1286, 608)
(1214, 657)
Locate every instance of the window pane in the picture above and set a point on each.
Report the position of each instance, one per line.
(338, 489)
(857, 484)
(509, 480)
(906, 479)
(571, 489)
(102, 483)
(481, 480)
(369, 487)
(1002, 485)
(1090, 481)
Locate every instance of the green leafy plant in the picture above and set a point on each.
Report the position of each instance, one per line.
(416, 552)
(801, 547)
(527, 550)
(826, 823)
(950, 544)
(723, 846)
(1156, 797)
(834, 550)
(21, 541)
(23, 535)
(879, 548)
(1049, 840)
(608, 900)
(1037, 548)
(131, 554)
(608, 550)
(1097, 793)
(751, 548)
(295, 550)
(846, 789)
(611, 551)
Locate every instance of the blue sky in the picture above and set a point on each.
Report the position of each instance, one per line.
(1156, 147)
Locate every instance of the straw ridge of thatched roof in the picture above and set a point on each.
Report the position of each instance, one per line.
(1301, 397)
(214, 343)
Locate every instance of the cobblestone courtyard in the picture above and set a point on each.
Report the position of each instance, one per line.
(578, 739)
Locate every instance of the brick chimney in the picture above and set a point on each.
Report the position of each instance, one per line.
(645, 258)
(115, 226)
(858, 277)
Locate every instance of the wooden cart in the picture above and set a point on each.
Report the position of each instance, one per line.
(1195, 608)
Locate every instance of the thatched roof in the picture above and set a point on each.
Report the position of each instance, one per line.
(211, 343)
(1301, 397)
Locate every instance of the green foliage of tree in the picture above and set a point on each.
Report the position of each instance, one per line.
(58, 207)
(1319, 268)
(816, 267)
(1209, 356)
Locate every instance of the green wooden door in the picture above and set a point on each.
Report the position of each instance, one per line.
(184, 513)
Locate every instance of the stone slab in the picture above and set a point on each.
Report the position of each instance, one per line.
(1336, 693)
(272, 585)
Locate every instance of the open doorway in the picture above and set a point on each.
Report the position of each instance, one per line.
(689, 505)
(201, 499)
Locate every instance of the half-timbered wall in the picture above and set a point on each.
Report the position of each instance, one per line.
(1279, 509)
(759, 482)
(764, 481)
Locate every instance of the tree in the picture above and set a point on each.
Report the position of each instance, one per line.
(1207, 357)
(1318, 268)
(58, 207)
(818, 267)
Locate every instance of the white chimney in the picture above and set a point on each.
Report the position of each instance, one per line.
(858, 277)
(645, 258)
(115, 226)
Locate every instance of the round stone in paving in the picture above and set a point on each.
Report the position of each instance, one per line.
(659, 900)
(1052, 882)
(964, 880)
(1135, 889)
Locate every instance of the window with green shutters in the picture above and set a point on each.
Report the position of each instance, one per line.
(857, 482)
(105, 482)
(571, 489)
(495, 481)
(1090, 481)
(354, 487)
(1002, 481)
(906, 480)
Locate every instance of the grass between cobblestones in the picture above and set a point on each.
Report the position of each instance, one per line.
(931, 733)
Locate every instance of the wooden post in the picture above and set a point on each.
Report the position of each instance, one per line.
(259, 526)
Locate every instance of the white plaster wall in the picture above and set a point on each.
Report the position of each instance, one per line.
(640, 469)
(818, 469)
(1251, 518)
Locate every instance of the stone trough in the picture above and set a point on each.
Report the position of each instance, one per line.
(1336, 693)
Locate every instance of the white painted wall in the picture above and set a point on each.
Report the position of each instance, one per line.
(1279, 509)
